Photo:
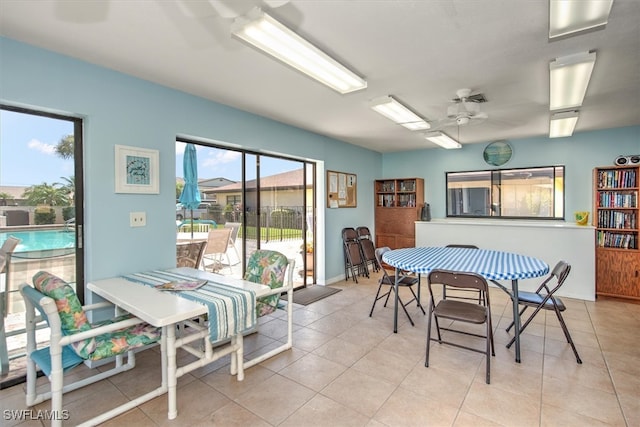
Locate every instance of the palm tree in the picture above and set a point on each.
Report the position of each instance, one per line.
(45, 194)
(4, 197)
(65, 147)
(179, 187)
(69, 186)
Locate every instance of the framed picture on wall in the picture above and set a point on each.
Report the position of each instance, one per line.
(136, 170)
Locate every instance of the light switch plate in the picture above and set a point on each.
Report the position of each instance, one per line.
(138, 219)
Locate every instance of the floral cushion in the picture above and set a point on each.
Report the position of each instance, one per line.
(267, 268)
(73, 319)
(123, 340)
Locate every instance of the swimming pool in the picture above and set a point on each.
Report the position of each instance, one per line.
(41, 239)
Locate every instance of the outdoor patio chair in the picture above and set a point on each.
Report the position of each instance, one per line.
(190, 254)
(459, 311)
(217, 243)
(270, 268)
(543, 299)
(74, 340)
(8, 247)
(235, 228)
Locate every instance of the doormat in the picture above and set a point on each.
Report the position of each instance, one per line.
(306, 296)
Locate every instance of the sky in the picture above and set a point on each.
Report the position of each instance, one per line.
(27, 154)
(27, 149)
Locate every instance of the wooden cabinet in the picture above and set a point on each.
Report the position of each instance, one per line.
(398, 204)
(616, 215)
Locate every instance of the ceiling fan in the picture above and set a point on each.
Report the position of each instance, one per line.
(465, 110)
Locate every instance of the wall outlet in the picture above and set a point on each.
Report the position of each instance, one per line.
(137, 219)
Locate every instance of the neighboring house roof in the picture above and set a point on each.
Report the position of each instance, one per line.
(14, 190)
(214, 182)
(286, 180)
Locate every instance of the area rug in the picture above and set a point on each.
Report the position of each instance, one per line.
(306, 296)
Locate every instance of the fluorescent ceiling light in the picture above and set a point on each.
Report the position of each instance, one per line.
(572, 16)
(563, 124)
(569, 77)
(393, 110)
(264, 32)
(443, 140)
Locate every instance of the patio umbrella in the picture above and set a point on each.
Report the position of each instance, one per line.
(190, 196)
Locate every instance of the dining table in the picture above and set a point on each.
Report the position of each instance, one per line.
(230, 300)
(491, 264)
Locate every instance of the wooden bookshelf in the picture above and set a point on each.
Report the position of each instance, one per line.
(616, 216)
(398, 203)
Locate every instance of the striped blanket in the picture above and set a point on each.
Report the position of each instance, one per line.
(232, 310)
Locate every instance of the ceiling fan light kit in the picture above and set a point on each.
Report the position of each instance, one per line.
(569, 78)
(399, 113)
(443, 140)
(563, 124)
(567, 17)
(267, 34)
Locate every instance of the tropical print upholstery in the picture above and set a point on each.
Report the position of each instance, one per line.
(73, 319)
(267, 268)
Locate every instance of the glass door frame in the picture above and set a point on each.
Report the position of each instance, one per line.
(78, 184)
(244, 173)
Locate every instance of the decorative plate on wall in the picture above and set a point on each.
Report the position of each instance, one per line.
(497, 153)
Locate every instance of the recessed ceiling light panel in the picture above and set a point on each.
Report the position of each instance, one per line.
(267, 34)
(568, 17)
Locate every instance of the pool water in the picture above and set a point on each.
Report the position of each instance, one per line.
(41, 240)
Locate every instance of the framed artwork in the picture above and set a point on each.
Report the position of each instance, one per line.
(342, 190)
(137, 170)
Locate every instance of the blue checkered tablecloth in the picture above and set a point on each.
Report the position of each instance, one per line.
(492, 265)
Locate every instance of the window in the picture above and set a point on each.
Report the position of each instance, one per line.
(533, 193)
(234, 200)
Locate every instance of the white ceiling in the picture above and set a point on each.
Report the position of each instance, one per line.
(419, 51)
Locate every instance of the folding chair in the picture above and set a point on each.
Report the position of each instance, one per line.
(404, 281)
(74, 340)
(354, 263)
(457, 295)
(217, 244)
(235, 227)
(543, 299)
(368, 248)
(477, 313)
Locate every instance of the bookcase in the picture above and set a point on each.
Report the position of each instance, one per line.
(615, 217)
(398, 203)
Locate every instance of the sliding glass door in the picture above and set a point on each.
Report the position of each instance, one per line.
(271, 199)
(41, 175)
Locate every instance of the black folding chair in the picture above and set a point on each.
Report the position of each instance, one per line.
(405, 281)
(368, 247)
(354, 263)
(476, 313)
(543, 299)
(457, 295)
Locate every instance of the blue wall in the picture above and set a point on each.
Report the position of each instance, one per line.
(120, 109)
(579, 154)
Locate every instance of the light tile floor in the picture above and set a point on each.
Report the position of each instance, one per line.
(349, 369)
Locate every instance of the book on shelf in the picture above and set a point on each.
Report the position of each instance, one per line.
(181, 285)
(617, 178)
